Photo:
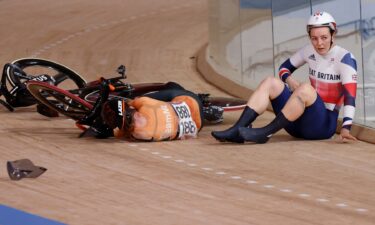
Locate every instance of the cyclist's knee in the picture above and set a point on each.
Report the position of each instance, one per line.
(306, 92)
(272, 85)
(271, 82)
(305, 88)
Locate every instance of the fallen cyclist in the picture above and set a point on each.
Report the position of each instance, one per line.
(169, 114)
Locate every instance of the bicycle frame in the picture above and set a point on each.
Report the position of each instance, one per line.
(90, 92)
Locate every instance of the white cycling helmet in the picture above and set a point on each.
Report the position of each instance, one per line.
(321, 19)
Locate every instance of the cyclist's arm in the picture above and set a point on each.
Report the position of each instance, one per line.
(289, 66)
(348, 69)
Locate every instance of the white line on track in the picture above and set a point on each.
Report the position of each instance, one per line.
(221, 173)
(342, 205)
(266, 186)
(251, 181)
(269, 187)
(361, 210)
(91, 28)
(303, 195)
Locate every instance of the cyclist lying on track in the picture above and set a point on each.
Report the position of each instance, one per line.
(170, 114)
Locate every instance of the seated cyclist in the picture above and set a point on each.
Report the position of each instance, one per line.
(306, 110)
(170, 114)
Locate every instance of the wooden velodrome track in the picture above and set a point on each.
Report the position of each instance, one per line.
(286, 181)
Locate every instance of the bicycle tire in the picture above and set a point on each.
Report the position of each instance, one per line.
(59, 99)
(228, 103)
(63, 72)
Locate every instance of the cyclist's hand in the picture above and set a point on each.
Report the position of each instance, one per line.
(345, 136)
(292, 83)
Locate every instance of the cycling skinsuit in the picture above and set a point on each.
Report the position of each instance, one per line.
(334, 76)
(156, 120)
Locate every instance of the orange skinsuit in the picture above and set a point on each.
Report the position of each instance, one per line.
(156, 120)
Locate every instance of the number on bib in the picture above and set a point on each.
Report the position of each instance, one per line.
(187, 126)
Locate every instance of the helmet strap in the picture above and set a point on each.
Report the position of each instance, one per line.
(332, 34)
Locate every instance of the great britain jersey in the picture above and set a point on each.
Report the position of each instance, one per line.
(334, 76)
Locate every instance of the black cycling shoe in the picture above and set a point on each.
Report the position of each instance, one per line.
(230, 135)
(213, 114)
(254, 135)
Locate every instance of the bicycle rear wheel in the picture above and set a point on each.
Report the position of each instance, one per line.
(228, 103)
(59, 99)
(63, 76)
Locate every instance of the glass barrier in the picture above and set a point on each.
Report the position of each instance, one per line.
(289, 31)
(256, 41)
(367, 27)
(224, 42)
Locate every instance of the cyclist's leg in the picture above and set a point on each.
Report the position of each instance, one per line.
(315, 123)
(269, 88)
(279, 102)
(173, 85)
(210, 113)
(168, 95)
(304, 96)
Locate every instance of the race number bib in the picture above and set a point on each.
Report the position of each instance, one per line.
(187, 126)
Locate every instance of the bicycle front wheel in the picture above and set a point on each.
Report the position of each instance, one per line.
(59, 99)
(64, 77)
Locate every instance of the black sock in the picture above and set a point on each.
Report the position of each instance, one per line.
(261, 135)
(277, 124)
(231, 134)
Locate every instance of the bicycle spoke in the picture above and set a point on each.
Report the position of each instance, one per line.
(65, 103)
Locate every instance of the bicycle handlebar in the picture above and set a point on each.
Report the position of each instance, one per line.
(105, 88)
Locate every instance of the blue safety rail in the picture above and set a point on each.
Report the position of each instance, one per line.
(11, 216)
